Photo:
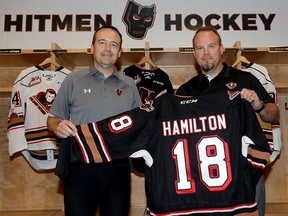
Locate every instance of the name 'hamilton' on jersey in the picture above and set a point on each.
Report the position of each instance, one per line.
(194, 125)
(204, 154)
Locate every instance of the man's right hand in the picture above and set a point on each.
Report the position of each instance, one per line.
(61, 128)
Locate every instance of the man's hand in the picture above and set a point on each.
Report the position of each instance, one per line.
(61, 128)
(65, 129)
(252, 98)
(269, 113)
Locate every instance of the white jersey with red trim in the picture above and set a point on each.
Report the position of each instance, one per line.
(272, 131)
(203, 154)
(32, 95)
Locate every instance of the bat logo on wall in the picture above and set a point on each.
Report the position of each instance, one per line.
(138, 19)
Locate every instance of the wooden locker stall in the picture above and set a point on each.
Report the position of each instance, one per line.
(23, 189)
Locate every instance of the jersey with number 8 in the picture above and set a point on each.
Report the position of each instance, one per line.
(196, 151)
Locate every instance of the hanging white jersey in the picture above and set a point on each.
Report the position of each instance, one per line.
(204, 154)
(272, 131)
(32, 95)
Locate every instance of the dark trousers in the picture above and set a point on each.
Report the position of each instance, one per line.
(260, 196)
(105, 185)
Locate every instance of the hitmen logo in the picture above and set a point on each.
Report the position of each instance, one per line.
(148, 105)
(138, 19)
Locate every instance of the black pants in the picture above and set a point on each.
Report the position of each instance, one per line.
(260, 196)
(105, 185)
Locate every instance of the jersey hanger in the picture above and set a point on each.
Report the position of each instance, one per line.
(240, 59)
(49, 61)
(147, 59)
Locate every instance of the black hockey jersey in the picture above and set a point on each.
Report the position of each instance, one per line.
(149, 82)
(203, 154)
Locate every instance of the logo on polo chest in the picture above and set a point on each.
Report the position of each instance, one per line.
(87, 91)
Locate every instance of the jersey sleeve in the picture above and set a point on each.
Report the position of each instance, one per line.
(271, 130)
(16, 118)
(254, 143)
(114, 138)
(167, 83)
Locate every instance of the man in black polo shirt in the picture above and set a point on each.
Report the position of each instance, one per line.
(216, 76)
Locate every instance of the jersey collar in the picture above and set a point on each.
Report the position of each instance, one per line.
(94, 71)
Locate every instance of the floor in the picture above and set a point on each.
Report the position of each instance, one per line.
(33, 213)
(134, 212)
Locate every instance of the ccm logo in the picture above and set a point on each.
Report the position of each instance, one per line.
(189, 101)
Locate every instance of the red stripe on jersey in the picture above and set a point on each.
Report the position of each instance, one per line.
(84, 153)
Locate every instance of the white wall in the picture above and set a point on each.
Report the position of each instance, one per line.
(255, 12)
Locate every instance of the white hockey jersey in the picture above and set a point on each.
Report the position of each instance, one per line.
(272, 131)
(32, 95)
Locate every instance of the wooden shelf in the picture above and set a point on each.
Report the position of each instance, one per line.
(174, 60)
(5, 89)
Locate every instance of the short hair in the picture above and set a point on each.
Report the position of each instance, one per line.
(107, 27)
(207, 28)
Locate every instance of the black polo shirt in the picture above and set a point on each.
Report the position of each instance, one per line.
(228, 79)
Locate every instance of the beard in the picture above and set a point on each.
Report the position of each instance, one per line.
(207, 67)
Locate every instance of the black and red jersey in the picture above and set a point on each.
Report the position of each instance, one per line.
(150, 82)
(203, 154)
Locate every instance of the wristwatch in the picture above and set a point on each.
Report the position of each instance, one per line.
(261, 108)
